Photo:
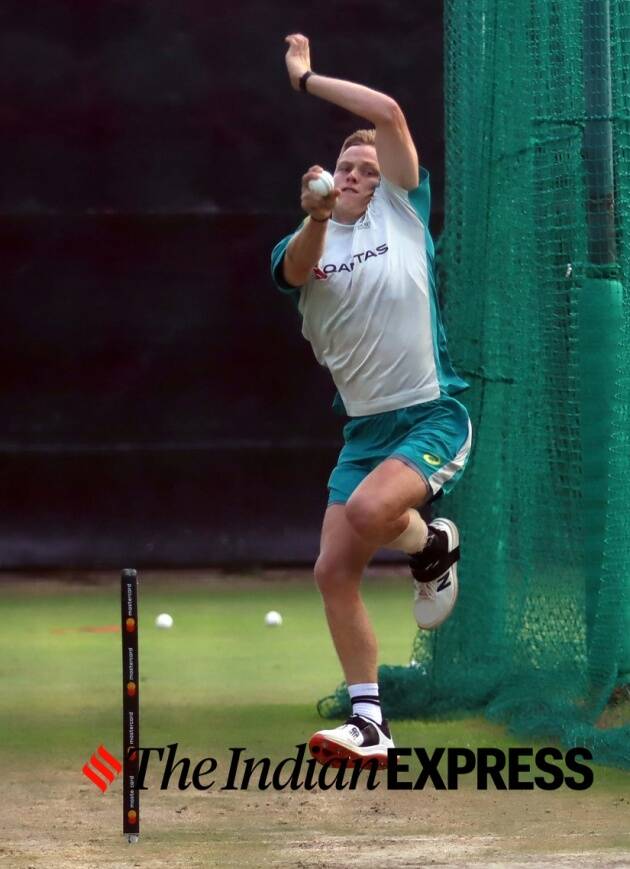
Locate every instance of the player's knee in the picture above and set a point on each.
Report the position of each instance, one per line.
(327, 576)
(332, 579)
(365, 516)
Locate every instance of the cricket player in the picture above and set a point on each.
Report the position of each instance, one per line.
(360, 268)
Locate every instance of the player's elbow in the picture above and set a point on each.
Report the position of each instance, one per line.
(391, 114)
(294, 274)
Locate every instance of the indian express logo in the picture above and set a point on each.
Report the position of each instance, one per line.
(443, 769)
(102, 768)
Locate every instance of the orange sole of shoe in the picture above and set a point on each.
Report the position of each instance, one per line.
(325, 751)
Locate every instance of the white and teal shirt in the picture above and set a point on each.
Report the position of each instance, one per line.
(370, 308)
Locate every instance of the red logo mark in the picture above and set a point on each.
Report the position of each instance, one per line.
(320, 274)
(102, 783)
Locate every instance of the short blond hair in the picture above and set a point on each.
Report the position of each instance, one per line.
(359, 137)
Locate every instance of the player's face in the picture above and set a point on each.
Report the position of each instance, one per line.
(357, 174)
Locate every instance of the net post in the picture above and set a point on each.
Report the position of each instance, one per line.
(600, 324)
(598, 134)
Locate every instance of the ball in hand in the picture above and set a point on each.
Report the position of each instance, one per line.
(323, 184)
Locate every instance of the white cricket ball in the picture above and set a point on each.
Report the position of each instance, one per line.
(272, 619)
(164, 621)
(323, 185)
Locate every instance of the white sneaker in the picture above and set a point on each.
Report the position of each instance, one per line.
(434, 572)
(358, 740)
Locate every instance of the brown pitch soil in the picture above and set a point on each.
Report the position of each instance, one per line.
(55, 820)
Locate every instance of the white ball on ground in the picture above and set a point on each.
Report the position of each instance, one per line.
(323, 185)
(164, 621)
(273, 619)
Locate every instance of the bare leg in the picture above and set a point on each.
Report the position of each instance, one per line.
(375, 515)
(378, 509)
(338, 572)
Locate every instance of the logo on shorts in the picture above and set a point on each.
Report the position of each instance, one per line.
(431, 459)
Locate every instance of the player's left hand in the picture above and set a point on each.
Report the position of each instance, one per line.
(298, 58)
(319, 207)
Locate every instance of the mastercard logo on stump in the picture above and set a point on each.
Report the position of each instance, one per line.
(131, 689)
(132, 816)
(130, 624)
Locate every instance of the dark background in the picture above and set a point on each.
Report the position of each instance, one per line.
(159, 405)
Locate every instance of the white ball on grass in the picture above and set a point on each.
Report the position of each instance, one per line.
(273, 619)
(164, 620)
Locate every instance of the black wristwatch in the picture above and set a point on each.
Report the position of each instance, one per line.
(304, 79)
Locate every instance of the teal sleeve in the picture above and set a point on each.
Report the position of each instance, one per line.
(277, 257)
(450, 382)
(338, 406)
(420, 197)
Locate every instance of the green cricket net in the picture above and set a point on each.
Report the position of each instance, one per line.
(534, 274)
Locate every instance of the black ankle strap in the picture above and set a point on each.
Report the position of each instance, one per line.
(435, 569)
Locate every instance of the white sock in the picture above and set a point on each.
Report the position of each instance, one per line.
(365, 701)
(414, 537)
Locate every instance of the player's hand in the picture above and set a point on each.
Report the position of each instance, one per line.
(317, 206)
(298, 58)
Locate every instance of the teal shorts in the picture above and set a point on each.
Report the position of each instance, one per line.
(433, 438)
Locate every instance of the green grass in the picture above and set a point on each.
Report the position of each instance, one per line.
(220, 675)
(219, 678)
